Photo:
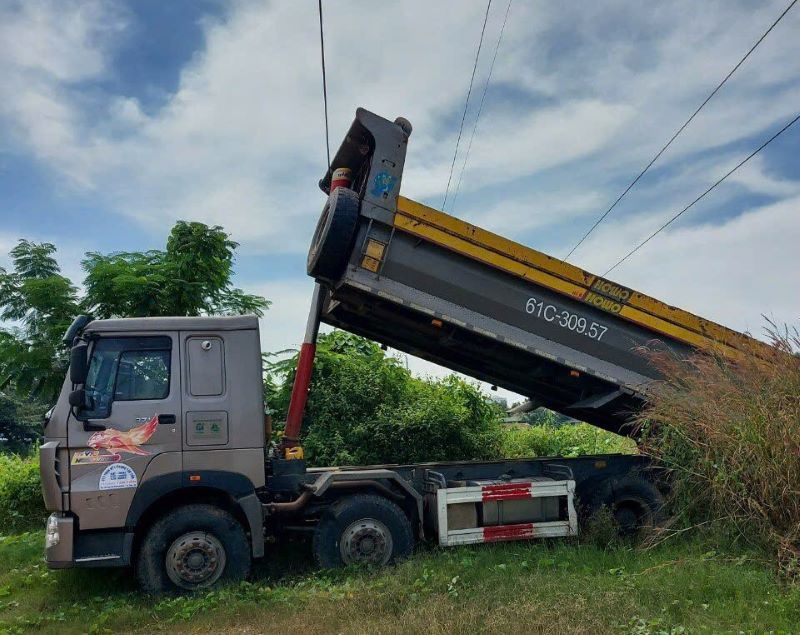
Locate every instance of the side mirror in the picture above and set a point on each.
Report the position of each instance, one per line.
(77, 399)
(78, 363)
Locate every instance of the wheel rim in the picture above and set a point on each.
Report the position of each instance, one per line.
(195, 560)
(366, 541)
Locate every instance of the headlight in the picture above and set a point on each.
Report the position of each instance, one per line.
(51, 536)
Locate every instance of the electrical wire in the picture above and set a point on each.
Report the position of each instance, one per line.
(680, 130)
(466, 103)
(480, 106)
(325, 86)
(679, 214)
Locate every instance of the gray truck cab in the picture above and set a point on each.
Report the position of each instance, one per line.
(169, 410)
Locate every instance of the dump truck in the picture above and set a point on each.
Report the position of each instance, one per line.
(157, 454)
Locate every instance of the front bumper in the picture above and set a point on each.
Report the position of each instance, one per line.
(59, 541)
(65, 546)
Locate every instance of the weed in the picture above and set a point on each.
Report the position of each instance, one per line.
(730, 432)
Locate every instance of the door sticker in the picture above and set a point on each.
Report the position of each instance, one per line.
(94, 457)
(107, 446)
(117, 476)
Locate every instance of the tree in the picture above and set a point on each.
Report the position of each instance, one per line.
(20, 424)
(191, 277)
(40, 303)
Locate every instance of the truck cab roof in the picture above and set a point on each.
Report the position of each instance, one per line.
(169, 323)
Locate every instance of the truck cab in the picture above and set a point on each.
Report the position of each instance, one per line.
(162, 411)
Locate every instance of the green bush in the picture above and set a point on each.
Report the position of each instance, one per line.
(445, 420)
(564, 440)
(364, 407)
(21, 505)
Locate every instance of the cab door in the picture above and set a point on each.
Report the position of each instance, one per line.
(131, 415)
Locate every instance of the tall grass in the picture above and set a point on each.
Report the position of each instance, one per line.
(730, 431)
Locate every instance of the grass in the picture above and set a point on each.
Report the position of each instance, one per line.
(558, 587)
(730, 432)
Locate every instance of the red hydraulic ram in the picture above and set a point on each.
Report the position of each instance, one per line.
(302, 378)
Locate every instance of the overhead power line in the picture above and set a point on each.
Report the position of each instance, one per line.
(680, 130)
(325, 85)
(480, 106)
(679, 214)
(466, 103)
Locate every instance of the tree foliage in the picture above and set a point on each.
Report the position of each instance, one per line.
(191, 277)
(364, 407)
(20, 424)
(39, 303)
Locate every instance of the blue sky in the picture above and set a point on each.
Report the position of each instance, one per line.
(117, 118)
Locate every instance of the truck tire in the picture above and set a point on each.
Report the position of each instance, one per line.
(334, 235)
(362, 529)
(192, 548)
(634, 502)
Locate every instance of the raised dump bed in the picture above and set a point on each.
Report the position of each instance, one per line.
(437, 287)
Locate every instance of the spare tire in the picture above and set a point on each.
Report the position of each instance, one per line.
(334, 236)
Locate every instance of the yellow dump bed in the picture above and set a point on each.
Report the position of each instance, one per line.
(521, 261)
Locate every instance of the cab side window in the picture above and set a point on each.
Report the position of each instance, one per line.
(126, 369)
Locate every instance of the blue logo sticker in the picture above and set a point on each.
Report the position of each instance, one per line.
(383, 183)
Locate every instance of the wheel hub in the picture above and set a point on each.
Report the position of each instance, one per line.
(366, 541)
(195, 560)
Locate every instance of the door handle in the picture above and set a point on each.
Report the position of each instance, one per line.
(167, 419)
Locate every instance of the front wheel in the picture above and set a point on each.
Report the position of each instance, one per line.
(362, 529)
(192, 548)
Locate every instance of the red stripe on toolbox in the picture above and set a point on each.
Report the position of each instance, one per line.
(506, 491)
(508, 532)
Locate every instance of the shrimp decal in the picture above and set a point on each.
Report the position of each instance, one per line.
(107, 446)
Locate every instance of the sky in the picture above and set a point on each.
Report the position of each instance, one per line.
(119, 117)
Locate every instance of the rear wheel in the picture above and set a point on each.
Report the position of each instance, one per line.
(191, 548)
(362, 529)
(634, 502)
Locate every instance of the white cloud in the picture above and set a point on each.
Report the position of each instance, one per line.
(515, 216)
(46, 50)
